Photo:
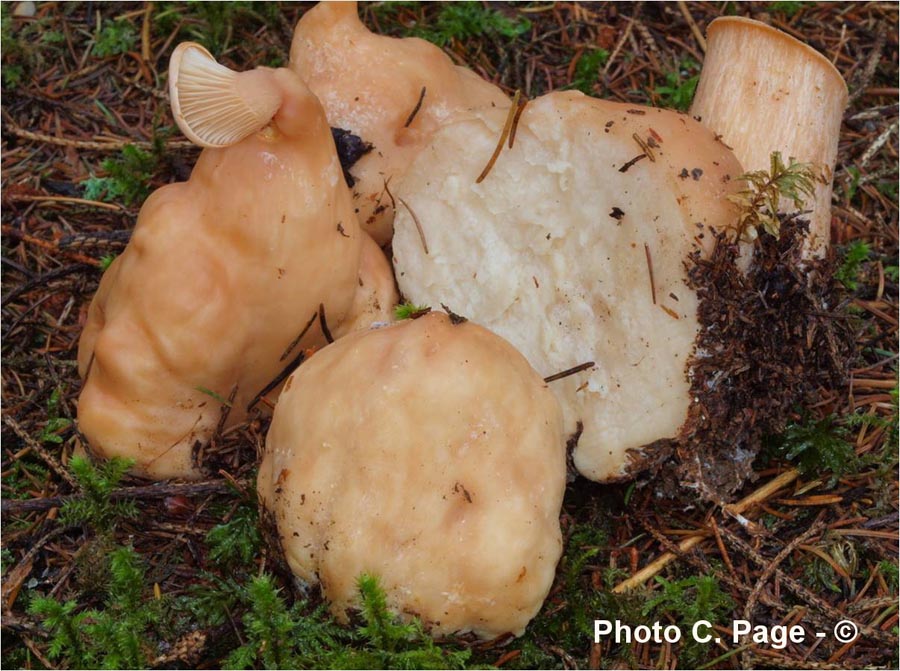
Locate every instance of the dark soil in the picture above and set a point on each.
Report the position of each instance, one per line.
(772, 341)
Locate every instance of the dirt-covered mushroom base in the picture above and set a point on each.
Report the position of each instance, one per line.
(773, 340)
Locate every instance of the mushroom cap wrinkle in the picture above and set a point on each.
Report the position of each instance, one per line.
(431, 455)
(553, 251)
(376, 294)
(221, 275)
(762, 90)
(370, 84)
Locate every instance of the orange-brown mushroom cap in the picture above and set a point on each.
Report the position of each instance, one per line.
(393, 93)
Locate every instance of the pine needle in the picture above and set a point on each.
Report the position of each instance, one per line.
(417, 223)
(503, 135)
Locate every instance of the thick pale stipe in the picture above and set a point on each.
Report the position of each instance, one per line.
(761, 90)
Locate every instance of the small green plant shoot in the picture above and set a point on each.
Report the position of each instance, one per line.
(759, 202)
(128, 178)
(96, 508)
(55, 423)
(408, 310)
(678, 91)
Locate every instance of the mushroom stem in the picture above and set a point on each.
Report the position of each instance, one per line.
(761, 91)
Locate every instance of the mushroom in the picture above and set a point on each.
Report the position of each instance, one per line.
(573, 248)
(761, 91)
(221, 285)
(393, 93)
(217, 107)
(428, 453)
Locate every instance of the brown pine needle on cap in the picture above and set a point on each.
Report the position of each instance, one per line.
(644, 147)
(412, 115)
(505, 134)
(650, 269)
(416, 222)
(515, 123)
(323, 322)
(296, 341)
(570, 371)
(670, 312)
(630, 163)
(387, 190)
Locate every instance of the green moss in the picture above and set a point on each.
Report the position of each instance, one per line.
(55, 424)
(566, 622)
(587, 70)
(19, 478)
(787, 7)
(279, 636)
(116, 635)
(127, 177)
(891, 573)
(27, 46)
(95, 508)
(114, 38)
(467, 20)
(687, 601)
(215, 23)
(236, 541)
(681, 83)
(855, 254)
(815, 446)
(388, 10)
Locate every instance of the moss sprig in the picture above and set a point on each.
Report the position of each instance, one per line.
(759, 202)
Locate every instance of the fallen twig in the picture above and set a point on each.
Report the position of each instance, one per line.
(21, 507)
(735, 509)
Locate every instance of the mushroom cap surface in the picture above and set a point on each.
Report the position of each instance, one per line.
(430, 455)
(554, 249)
(376, 293)
(221, 275)
(370, 84)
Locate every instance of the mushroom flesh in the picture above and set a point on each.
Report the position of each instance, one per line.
(573, 248)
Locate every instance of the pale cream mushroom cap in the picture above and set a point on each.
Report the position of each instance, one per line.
(369, 84)
(550, 252)
(764, 91)
(430, 455)
(221, 275)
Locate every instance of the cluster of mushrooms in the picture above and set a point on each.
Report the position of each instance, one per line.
(431, 451)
